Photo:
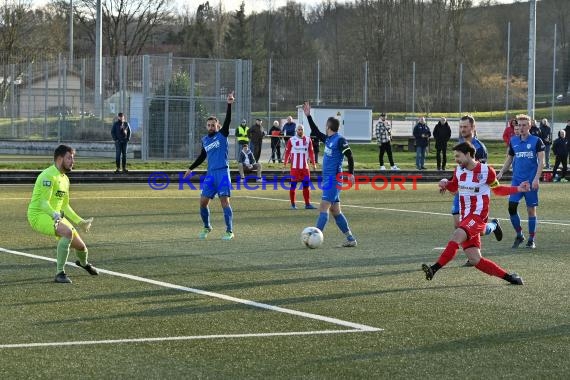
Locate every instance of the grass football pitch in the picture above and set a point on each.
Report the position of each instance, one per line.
(168, 305)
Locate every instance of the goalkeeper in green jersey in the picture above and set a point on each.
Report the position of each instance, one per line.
(50, 213)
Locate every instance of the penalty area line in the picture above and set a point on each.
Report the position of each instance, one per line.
(176, 338)
(259, 305)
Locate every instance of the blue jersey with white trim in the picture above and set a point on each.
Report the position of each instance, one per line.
(335, 146)
(216, 147)
(525, 157)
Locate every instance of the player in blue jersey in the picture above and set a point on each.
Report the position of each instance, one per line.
(467, 132)
(217, 180)
(336, 148)
(526, 154)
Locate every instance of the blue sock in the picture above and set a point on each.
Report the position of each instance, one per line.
(205, 214)
(516, 222)
(322, 220)
(490, 227)
(228, 215)
(342, 224)
(532, 222)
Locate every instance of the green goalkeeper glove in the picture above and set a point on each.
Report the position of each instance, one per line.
(85, 224)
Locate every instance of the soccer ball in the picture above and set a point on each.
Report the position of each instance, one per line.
(312, 237)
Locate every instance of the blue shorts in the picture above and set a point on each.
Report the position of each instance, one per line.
(455, 205)
(217, 182)
(331, 189)
(530, 198)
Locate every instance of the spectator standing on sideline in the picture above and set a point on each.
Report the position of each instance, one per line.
(384, 139)
(509, 131)
(526, 154)
(121, 133)
(255, 135)
(441, 134)
(242, 133)
(534, 130)
(275, 133)
(560, 150)
(50, 213)
(567, 132)
(422, 134)
(546, 136)
(289, 129)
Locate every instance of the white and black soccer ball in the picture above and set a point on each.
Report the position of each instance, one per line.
(312, 237)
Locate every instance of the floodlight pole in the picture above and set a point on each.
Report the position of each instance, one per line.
(531, 59)
(70, 33)
(98, 58)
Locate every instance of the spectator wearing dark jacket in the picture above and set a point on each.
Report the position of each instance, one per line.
(567, 133)
(255, 135)
(534, 130)
(247, 163)
(546, 136)
(275, 133)
(441, 134)
(289, 129)
(422, 134)
(560, 150)
(121, 133)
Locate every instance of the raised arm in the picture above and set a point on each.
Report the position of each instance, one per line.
(314, 129)
(225, 130)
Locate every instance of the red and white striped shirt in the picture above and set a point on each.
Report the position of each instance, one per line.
(474, 188)
(298, 150)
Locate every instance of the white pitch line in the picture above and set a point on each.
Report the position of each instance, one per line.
(259, 305)
(175, 338)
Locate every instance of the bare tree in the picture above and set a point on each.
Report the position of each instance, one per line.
(127, 24)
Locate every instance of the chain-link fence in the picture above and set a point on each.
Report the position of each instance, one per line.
(166, 100)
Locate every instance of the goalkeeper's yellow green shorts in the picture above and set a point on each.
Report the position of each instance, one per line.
(44, 224)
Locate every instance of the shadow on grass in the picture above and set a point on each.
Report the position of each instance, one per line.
(461, 345)
(189, 309)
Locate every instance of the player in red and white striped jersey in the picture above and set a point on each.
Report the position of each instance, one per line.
(298, 152)
(474, 182)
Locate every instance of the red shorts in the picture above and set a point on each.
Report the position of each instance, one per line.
(300, 175)
(473, 225)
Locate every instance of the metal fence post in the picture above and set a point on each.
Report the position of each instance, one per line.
(29, 111)
(318, 82)
(82, 92)
(413, 88)
(269, 93)
(553, 83)
(192, 111)
(146, 97)
(46, 75)
(167, 79)
(460, 87)
(508, 72)
(12, 100)
(365, 84)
